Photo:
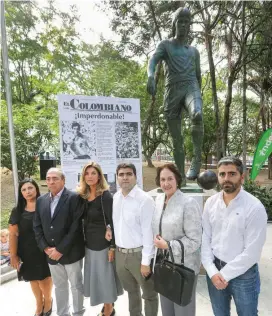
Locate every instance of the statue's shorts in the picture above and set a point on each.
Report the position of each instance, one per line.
(182, 95)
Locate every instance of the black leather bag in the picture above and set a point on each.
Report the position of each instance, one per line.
(174, 281)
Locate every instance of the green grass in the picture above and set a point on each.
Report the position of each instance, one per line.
(4, 218)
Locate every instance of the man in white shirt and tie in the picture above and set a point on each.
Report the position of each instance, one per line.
(132, 219)
(234, 232)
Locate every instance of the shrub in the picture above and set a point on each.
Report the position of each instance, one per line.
(262, 193)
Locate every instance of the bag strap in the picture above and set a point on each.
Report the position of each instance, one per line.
(182, 251)
(105, 222)
(170, 252)
(160, 224)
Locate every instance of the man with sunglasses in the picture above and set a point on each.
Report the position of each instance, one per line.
(234, 232)
(132, 220)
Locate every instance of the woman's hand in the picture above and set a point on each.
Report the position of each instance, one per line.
(108, 234)
(15, 262)
(160, 243)
(111, 255)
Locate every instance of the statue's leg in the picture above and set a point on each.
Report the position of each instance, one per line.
(172, 106)
(193, 103)
(174, 126)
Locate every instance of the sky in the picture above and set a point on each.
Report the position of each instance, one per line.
(93, 22)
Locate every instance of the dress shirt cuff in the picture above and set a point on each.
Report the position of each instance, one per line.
(211, 270)
(145, 261)
(226, 277)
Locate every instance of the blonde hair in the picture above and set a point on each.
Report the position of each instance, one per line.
(83, 189)
(5, 231)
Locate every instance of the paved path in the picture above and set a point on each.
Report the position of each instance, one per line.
(16, 298)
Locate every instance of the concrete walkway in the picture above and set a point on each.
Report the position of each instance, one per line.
(16, 298)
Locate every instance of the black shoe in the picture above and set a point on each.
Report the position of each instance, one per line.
(112, 313)
(48, 313)
(102, 310)
(41, 314)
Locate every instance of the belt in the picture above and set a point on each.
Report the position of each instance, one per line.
(129, 250)
(220, 264)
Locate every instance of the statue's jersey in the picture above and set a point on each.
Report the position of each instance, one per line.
(179, 61)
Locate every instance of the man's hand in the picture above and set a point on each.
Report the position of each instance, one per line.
(145, 270)
(160, 243)
(55, 255)
(111, 255)
(108, 234)
(151, 86)
(15, 262)
(219, 282)
(48, 250)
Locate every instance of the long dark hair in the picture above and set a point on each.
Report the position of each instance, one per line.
(21, 200)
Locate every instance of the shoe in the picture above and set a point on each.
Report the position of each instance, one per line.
(102, 310)
(112, 313)
(102, 313)
(41, 314)
(48, 313)
(194, 170)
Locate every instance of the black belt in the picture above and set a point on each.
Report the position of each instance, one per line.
(220, 263)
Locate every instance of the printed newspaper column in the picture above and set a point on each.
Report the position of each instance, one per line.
(101, 129)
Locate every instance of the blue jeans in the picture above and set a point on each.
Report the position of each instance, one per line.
(244, 289)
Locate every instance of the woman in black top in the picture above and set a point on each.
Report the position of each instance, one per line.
(101, 283)
(26, 257)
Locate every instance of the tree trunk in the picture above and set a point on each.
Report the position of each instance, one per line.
(206, 161)
(208, 41)
(149, 162)
(244, 89)
(270, 167)
(227, 113)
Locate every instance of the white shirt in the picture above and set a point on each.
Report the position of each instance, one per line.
(235, 233)
(54, 200)
(132, 221)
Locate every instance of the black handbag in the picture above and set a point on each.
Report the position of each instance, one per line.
(174, 281)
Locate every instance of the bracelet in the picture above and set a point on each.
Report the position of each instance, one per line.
(112, 249)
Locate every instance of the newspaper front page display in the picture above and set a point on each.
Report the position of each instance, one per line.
(101, 129)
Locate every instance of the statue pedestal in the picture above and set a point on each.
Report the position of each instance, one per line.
(193, 190)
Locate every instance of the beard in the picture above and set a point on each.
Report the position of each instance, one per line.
(229, 187)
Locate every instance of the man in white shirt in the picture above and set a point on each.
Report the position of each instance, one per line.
(132, 219)
(234, 232)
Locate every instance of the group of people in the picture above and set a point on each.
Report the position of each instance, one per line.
(120, 235)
